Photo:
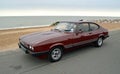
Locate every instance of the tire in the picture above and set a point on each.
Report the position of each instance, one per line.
(99, 42)
(55, 54)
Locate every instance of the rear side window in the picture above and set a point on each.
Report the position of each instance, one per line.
(93, 26)
(83, 27)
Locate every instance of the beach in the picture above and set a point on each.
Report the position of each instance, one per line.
(9, 38)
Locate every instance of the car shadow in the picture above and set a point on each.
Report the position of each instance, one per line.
(42, 61)
(81, 50)
(74, 51)
(21, 62)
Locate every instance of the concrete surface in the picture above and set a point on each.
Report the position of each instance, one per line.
(87, 60)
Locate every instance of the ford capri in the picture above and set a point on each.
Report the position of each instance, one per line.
(66, 34)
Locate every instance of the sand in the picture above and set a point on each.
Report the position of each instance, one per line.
(9, 38)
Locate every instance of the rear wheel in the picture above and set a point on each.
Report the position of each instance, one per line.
(55, 54)
(99, 42)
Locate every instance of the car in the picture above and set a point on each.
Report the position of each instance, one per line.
(65, 35)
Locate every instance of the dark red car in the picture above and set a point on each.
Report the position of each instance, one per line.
(65, 35)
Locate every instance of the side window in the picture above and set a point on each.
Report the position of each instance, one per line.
(83, 27)
(93, 26)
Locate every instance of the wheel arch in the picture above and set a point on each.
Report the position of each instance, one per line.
(57, 45)
(101, 35)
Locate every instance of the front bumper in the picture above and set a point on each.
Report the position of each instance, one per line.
(28, 51)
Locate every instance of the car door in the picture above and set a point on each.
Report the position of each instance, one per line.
(94, 31)
(82, 35)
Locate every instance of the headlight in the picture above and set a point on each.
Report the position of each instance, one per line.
(31, 47)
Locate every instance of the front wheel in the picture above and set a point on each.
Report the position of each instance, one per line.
(99, 42)
(55, 54)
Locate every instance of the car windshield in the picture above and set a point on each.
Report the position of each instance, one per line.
(69, 27)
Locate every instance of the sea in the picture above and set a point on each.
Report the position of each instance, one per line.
(11, 22)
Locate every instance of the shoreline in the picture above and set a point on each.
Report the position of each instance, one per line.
(9, 38)
(24, 27)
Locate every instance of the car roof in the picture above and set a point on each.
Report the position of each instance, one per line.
(77, 22)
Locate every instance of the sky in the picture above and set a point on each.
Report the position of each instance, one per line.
(60, 8)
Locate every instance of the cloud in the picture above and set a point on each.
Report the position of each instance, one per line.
(58, 12)
(59, 7)
(78, 4)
